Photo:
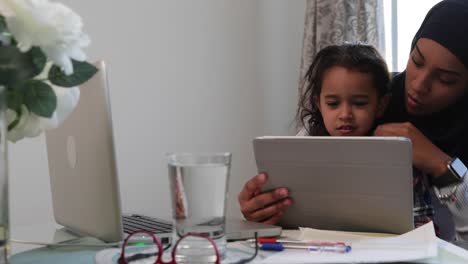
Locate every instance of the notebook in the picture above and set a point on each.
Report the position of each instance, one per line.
(362, 184)
(84, 178)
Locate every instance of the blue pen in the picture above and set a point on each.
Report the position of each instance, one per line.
(317, 248)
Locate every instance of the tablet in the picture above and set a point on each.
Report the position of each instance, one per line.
(359, 184)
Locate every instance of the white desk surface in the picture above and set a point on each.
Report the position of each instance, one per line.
(448, 253)
(51, 232)
(41, 232)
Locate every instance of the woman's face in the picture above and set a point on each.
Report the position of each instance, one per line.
(435, 78)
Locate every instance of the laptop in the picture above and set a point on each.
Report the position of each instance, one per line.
(84, 178)
(362, 184)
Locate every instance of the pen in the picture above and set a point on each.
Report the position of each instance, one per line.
(297, 242)
(321, 248)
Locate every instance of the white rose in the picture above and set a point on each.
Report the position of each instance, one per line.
(55, 28)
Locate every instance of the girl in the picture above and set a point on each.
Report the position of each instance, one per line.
(346, 91)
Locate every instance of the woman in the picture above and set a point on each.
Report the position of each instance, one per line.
(429, 105)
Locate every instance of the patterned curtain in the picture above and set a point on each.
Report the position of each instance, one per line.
(330, 22)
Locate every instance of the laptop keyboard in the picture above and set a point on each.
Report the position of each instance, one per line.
(132, 223)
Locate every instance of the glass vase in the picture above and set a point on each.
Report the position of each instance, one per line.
(4, 212)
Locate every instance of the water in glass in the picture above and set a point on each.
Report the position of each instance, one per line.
(199, 194)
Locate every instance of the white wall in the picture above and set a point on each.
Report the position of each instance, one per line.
(205, 75)
(279, 44)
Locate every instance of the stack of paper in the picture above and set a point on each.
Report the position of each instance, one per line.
(418, 244)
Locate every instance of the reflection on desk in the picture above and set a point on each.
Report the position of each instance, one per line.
(49, 233)
(43, 232)
(55, 255)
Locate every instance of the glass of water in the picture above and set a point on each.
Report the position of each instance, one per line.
(199, 185)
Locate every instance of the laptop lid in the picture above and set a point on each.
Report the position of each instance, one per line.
(82, 165)
(341, 183)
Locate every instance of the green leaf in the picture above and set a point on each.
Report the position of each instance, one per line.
(3, 25)
(38, 59)
(3, 98)
(14, 99)
(17, 67)
(82, 71)
(15, 122)
(40, 98)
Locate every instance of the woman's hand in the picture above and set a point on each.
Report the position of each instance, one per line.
(427, 157)
(265, 207)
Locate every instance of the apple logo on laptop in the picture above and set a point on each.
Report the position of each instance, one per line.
(71, 151)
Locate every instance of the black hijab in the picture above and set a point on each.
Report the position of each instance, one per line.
(447, 24)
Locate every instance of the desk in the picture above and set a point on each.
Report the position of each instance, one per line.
(40, 232)
(49, 233)
(25, 254)
(447, 252)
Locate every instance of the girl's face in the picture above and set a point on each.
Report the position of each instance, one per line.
(435, 78)
(349, 102)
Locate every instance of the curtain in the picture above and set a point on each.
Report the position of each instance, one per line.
(329, 22)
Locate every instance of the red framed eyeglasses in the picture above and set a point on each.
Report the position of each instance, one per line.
(124, 259)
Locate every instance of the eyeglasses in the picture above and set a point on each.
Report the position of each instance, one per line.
(126, 259)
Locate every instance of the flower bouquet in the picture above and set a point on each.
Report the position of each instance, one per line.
(41, 66)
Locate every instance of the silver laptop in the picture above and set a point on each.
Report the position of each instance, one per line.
(83, 175)
(342, 183)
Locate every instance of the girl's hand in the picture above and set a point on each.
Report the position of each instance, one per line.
(427, 157)
(265, 207)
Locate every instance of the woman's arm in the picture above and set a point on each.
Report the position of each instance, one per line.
(431, 160)
(427, 157)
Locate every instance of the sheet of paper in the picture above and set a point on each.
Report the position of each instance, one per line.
(417, 244)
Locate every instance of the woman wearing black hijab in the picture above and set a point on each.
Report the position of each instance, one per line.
(429, 105)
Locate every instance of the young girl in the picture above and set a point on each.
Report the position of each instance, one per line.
(346, 91)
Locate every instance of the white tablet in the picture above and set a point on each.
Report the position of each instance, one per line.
(341, 183)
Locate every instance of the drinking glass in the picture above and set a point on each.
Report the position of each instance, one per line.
(199, 184)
